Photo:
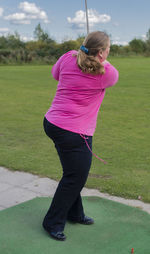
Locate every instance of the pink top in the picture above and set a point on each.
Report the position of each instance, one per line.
(79, 95)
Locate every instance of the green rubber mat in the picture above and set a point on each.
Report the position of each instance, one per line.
(118, 228)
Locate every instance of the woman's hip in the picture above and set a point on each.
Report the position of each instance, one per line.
(64, 138)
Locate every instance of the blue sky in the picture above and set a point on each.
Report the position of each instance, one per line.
(63, 20)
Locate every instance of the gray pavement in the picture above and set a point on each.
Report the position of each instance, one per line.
(17, 187)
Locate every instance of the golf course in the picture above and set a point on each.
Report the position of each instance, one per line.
(122, 136)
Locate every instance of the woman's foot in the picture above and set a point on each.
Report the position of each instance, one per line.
(85, 220)
(58, 236)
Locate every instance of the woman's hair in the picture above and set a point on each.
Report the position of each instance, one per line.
(88, 62)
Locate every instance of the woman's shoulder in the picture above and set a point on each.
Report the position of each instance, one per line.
(71, 53)
(69, 56)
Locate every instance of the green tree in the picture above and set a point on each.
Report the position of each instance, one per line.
(38, 32)
(148, 35)
(3, 42)
(41, 35)
(148, 43)
(14, 42)
(137, 45)
(114, 49)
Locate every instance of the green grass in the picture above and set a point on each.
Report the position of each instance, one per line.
(118, 228)
(122, 135)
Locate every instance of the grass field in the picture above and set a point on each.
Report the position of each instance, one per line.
(122, 137)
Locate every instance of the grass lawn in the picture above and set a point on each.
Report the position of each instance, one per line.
(122, 137)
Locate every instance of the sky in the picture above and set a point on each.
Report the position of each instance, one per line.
(65, 20)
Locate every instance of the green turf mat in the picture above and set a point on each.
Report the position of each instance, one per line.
(118, 228)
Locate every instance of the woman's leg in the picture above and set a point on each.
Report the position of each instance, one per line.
(76, 211)
(76, 159)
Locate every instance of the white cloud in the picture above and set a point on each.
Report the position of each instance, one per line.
(30, 8)
(29, 12)
(18, 18)
(1, 12)
(4, 30)
(33, 11)
(94, 17)
(117, 42)
(144, 38)
(25, 38)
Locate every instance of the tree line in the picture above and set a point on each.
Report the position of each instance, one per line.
(45, 50)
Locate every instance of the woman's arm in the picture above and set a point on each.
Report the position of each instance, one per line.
(110, 77)
(56, 67)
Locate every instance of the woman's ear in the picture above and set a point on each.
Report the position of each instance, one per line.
(100, 54)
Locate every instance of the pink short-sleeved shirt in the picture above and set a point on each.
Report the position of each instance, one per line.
(79, 95)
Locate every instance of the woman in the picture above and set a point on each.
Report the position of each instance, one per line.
(70, 123)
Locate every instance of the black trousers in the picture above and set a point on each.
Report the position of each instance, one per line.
(75, 159)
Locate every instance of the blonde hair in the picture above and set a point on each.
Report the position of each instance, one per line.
(94, 42)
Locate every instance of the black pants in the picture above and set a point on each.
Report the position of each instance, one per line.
(76, 161)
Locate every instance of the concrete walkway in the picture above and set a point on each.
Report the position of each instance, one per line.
(17, 187)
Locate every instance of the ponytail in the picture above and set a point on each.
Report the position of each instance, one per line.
(89, 64)
(87, 59)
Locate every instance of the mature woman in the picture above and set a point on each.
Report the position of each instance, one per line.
(70, 123)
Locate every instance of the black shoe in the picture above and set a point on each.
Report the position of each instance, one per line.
(85, 220)
(58, 236)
